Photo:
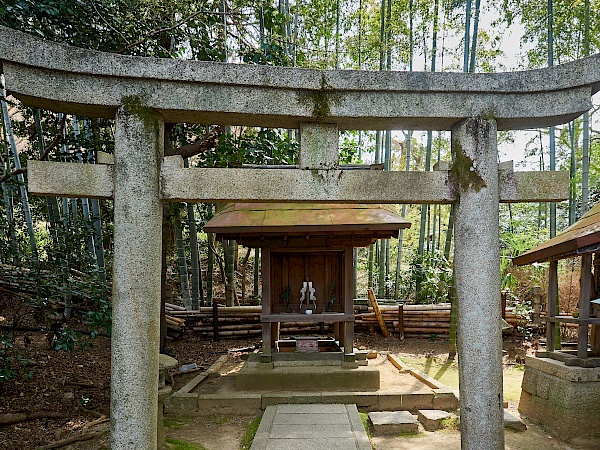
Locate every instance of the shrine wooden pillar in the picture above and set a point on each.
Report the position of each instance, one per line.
(348, 287)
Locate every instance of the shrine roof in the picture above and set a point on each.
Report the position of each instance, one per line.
(279, 219)
(581, 237)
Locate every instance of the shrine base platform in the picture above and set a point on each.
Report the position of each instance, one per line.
(562, 398)
(216, 391)
(323, 371)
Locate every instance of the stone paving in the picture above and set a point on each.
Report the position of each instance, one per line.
(311, 427)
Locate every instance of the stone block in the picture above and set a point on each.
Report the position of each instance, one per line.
(318, 146)
(432, 418)
(445, 399)
(313, 408)
(311, 378)
(182, 404)
(360, 399)
(390, 402)
(513, 422)
(240, 403)
(414, 402)
(311, 419)
(320, 430)
(529, 381)
(560, 397)
(393, 422)
(289, 397)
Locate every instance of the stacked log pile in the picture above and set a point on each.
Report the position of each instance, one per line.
(416, 320)
(174, 324)
(413, 321)
(512, 318)
(234, 321)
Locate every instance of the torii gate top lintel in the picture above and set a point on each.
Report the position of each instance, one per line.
(73, 80)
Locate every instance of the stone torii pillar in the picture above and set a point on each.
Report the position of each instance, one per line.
(474, 172)
(136, 278)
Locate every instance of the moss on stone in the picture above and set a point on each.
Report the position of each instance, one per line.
(319, 100)
(463, 171)
(135, 106)
(321, 104)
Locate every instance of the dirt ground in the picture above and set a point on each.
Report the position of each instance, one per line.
(69, 392)
(220, 433)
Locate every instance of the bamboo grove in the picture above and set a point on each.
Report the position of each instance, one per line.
(59, 249)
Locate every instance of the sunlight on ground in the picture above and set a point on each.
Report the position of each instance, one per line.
(447, 373)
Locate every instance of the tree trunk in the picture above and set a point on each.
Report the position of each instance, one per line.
(85, 206)
(211, 263)
(51, 203)
(182, 264)
(20, 177)
(195, 258)
(8, 205)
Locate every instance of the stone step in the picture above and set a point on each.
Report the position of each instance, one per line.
(513, 422)
(431, 418)
(393, 422)
(310, 378)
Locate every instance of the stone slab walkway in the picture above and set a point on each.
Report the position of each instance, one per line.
(311, 427)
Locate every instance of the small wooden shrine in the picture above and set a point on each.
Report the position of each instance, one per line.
(582, 239)
(561, 388)
(307, 259)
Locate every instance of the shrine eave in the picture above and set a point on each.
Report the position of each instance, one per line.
(252, 220)
(581, 237)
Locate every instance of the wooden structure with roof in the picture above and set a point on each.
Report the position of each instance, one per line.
(306, 243)
(580, 239)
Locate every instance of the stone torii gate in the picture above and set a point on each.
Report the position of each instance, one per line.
(145, 93)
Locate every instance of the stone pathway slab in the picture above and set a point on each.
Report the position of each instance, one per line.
(311, 427)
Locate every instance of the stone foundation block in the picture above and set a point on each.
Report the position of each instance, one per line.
(240, 403)
(183, 404)
(445, 400)
(432, 418)
(562, 398)
(514, 423)
(394, 422)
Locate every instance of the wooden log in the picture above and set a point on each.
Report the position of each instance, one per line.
(423, 335)
(231, 320)
(426, 330)
(174, 322)
(221, 313)
(8, 419)
(375, 306)
(228, 327)
(407, 308)
(171, 306)
(231, 333)
(175, 319)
